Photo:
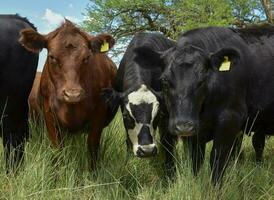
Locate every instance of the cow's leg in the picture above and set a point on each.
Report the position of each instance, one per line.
(197, 153)
(223, 143)
(14, 137)
(186, 143)
(236, 153)
(50, 124)
(258, 142)
(168, 143)
(97, 124)
(128, 150)
(93, 141)
(219, 158)
(15, 130)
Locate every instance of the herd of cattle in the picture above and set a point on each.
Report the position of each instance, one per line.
(214, 83)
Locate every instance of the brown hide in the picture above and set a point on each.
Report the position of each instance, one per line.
(34, 98)
(71, 82)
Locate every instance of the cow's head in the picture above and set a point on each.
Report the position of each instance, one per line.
(139, 108)
(70, 53)
(187, 74)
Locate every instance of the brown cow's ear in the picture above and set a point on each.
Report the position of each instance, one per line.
(32, 40)
(101, 43)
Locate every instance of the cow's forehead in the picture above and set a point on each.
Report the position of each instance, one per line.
(142, 95)
(67, 45)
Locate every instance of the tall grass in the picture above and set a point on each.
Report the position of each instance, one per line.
(50, 173)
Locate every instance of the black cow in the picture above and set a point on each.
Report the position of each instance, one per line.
(213, 82)
(17, 72)
(261, 41)
(136, 91)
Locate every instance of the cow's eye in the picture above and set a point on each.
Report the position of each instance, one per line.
(128, 121)
(165, 83)
(201, 84)
(53, 60)
(85, 60)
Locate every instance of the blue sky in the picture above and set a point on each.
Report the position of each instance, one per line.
(46, 14)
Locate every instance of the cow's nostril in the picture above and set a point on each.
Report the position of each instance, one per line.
(140, 152)
(185, 128)
(73, 95)
(144, 151)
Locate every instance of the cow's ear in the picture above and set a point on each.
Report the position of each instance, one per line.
(101, 43)
(224, 59)
(148, 58)
(32, 40)
(112, 98)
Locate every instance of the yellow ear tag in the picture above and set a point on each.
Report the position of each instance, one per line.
(225, 65)
(105, 46)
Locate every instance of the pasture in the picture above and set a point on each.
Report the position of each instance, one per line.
(49, 173)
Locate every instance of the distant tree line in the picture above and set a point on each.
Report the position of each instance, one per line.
(124, 18)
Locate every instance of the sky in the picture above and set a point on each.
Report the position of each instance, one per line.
(46, 15)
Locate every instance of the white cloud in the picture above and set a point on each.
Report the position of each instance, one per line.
(52, 18)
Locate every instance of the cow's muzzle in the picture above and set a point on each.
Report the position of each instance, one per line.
(73, 95)
(185, 129)
(146, 151)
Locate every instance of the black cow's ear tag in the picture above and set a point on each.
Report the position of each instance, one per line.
(225, 66)
(104, 47)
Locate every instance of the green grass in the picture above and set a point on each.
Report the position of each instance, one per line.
(50, 173)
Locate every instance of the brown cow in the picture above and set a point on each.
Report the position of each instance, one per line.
(35, 98)
(72, 79)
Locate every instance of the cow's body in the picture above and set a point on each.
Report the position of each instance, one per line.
(261, 107)
(35, 98)
(71, 82)
(17, 72)
(137, 92)
(207, 101)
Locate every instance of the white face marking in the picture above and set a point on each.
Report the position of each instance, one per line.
(142, 95)
(133, 136)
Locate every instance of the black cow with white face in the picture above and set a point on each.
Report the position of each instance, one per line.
(137, 92)
(213, 82)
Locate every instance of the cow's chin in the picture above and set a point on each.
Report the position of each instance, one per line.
(72, 100)
(71, 96)
(145, 151)
(186, 134)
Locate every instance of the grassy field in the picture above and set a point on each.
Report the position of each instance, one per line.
(64, 174)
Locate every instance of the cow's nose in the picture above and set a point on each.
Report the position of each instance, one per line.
(145, 151)
(73, 95)
(184, 128)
